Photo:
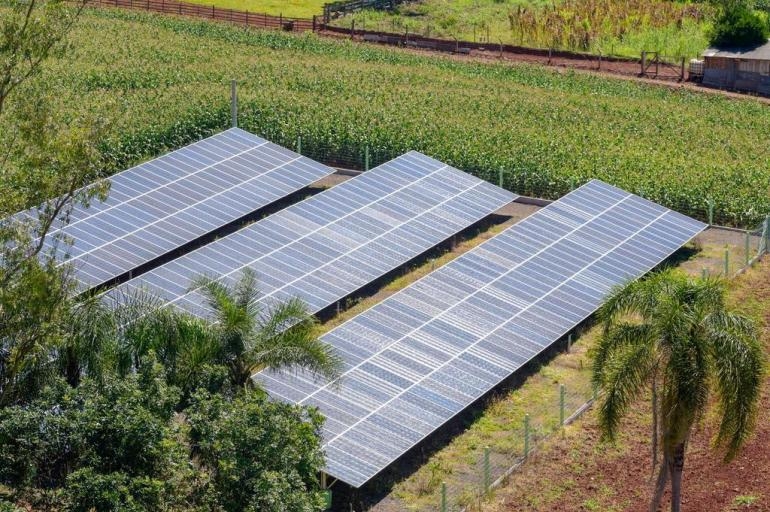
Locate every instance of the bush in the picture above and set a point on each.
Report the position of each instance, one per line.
(261, 455)
(740, 26)
(108, 446)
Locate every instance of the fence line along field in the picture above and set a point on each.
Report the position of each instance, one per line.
(289, 8)
(609, 27)
(163, 81)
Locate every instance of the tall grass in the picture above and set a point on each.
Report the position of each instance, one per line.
(600, 26)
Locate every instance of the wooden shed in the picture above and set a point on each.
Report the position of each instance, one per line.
(745, 69)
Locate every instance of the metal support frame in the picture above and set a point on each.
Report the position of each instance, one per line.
(234, 103)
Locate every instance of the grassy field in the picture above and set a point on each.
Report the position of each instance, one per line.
(599, 26)
(162, 82)
(289, 8)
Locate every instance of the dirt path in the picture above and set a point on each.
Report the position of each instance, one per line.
(616, 69)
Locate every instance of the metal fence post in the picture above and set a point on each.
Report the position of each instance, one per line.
(703, 273)
(501, 178)
(748, 248)
(526, 436)
(569, 342)
(767, 234)
(234, 103)
(443, 496)
(366, 158)
(562, 392)
(727, 262)
(711, 211)
(487, 480)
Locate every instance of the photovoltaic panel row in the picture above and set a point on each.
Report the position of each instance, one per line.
(162, 204)
(331, 244)
(426, 353)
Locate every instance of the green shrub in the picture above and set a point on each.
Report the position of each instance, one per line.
(740, 26)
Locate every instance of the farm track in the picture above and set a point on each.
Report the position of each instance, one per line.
(626, 70)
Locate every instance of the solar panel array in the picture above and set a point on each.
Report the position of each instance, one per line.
(160, 205)
(331, 244)
(423, 355)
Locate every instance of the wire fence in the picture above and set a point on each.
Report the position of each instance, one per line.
(397, 34)
(473, 481)
(212, 12)
(747, 247)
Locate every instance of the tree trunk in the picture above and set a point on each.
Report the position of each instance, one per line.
(654, 424)
(677, 467)
(660, 485)
(72, 368)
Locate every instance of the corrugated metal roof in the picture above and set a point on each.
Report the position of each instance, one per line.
(756, 53)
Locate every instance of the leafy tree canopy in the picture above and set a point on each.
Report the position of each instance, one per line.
(739, 24)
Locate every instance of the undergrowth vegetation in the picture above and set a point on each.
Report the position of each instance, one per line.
(162, 82)
(609, 27)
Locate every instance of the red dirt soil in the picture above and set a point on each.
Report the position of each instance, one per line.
(577, 472)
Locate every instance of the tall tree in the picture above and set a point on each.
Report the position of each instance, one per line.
(43, 161)
(678, 337)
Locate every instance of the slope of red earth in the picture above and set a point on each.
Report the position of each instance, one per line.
(575, 471)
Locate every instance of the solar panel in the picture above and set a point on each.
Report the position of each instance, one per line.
(426, 353)
(162, 204)
(331, 244)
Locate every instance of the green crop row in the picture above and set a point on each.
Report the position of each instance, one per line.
(163, 81)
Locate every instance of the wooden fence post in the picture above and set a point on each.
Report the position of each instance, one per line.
(681, 76)
(644, 62)
(213, 12)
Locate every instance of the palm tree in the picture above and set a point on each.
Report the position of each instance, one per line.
(88, 349)
(677, 336)
(252, 335)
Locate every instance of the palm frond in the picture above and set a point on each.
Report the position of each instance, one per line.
(623, 379)
(246, 291)
(738, 362)
(297, 349)
(685, 389)
(618, 337)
